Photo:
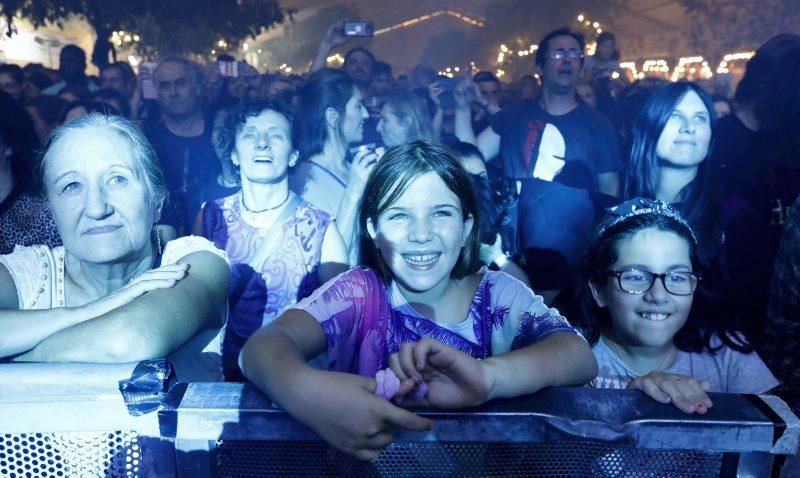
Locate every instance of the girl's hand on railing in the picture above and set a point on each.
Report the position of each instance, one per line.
(348, 415)
(454, 379)
(686, 393)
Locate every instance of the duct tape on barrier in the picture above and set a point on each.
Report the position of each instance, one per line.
(149, 384)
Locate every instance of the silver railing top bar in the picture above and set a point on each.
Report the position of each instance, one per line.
(67, 397)
(736, 423)
(41, 398)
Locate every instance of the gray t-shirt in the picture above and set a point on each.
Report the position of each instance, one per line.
(728, 371)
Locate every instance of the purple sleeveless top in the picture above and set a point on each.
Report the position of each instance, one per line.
(263, 282)
(365, 321)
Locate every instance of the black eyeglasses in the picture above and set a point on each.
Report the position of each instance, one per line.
(560, 53)
(634, 281)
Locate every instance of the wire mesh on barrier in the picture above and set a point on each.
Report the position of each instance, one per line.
(114, 454)
(435, 459)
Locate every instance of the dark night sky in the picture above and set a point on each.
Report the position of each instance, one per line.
(644, 28)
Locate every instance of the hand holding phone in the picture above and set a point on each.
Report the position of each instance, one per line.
(357, 28)
(334, 36)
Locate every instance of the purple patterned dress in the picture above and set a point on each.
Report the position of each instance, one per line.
(267, 274)
(366, 321)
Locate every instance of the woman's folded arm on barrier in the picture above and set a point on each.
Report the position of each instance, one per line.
(21, 330)
(147, 319)
(341, 407)
(455, 380)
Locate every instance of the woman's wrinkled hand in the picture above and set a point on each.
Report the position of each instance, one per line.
(454, 379)
(686, 393)
(162, 277)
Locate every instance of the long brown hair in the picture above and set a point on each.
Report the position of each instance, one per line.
(389, 180)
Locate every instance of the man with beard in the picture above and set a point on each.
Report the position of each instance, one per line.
(72, 67)
(358, 64)
(182, 140)
(551, 139)
(382, 82)
(119, 77)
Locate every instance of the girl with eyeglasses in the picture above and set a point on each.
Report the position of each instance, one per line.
(639, 279)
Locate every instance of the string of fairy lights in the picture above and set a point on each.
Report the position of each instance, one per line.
(452, 71)
(692, 67)
(689, 67)
(123, 39)
(477, 22)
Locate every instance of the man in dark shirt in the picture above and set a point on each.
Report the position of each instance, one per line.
(550, 139)
(182, 141)
(536, 139)
(72, 67)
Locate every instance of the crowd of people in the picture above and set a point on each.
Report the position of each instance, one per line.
(351, 241)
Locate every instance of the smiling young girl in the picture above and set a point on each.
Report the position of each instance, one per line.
(640, 277)
(421, 306)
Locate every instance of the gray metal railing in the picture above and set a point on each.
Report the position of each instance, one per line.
(71, 420)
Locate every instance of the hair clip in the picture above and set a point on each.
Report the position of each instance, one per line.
(640, 206)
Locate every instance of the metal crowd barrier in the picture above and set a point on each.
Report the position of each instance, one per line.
(69, 420)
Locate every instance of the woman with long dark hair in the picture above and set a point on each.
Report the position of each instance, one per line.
(330, 116)
(672, 137)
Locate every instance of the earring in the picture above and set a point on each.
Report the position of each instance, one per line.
(159, 244)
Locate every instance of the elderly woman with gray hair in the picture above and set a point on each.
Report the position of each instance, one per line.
(113, 293)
